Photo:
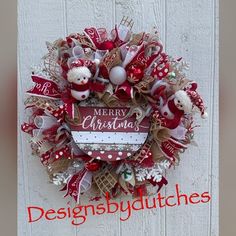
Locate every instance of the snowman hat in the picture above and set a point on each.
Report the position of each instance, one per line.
(78, 62)
(191, 85)
(81, 68)
(198, 102)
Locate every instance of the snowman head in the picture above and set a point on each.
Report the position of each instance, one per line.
(182, 101)
(79, 75)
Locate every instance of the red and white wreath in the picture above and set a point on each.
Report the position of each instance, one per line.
(110, 111)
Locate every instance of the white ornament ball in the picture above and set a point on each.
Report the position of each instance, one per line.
(117, 75)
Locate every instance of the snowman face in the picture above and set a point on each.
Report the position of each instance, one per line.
(178, 104)
(79, 75)
(82, 80)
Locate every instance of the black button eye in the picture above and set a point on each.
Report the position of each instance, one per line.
(178, 101)
(84, 78)
(181, 106)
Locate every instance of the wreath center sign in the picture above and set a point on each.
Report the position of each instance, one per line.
(108, 134)
(111, 112)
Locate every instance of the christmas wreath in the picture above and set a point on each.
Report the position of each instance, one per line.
(110, 112)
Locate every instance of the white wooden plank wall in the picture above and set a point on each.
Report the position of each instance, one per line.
(188, 28)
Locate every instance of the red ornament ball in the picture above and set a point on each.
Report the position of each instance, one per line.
(93, 166)
(107, 45)
(135, 74)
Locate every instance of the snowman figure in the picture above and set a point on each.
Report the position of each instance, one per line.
(80, 84)
(79, 75)
(180, 103)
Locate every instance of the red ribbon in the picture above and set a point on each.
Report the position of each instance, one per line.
(28, 128)
(139, 58)
(124, 92)
(170, 147)
(94, 36)
(155, 55)
(160, 183)
(44, 88)
(69, 103)
(45, 157)
(162, 68)
(74, 184)
(50, 134)
(62, 152)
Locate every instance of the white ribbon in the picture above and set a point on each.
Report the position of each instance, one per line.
(179, 132)
(86, 182)
(44, 122)
(124, 32)
(132, 52)
(78, 52)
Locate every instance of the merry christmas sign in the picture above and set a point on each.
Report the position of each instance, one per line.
(108, 134)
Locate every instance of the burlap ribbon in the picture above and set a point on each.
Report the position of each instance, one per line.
(105, 180)
(41, 103)
(111, 59)
(144, 86)
(109, 99)
(50, 60)
(77, 116)
(159, 134)
(139, 98)
(136, 39)
(139, 113)
(180, 84)
(142, 89)
(58, 166)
